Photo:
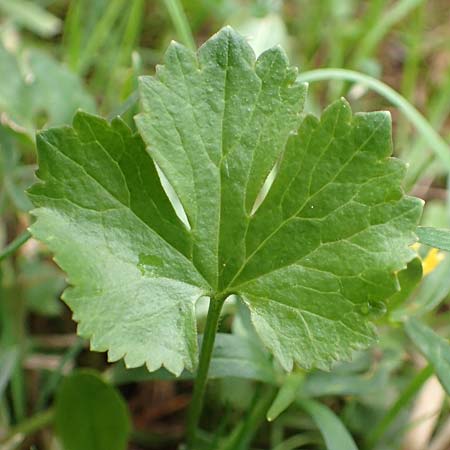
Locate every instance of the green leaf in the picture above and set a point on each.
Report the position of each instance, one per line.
(58, 105)
(333, 431)
(435, 349)
(319, 384)
(286, 395)
(84, 398)
(216, 133)
(434, 237)
(313, 262)
(27, 100)
(102, 210)
(32, 16)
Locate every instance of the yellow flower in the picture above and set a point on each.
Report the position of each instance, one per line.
(432, 260)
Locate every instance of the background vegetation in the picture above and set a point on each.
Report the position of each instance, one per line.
(57, 56)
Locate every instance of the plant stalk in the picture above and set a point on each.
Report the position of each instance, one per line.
(244, 433)
(209, 336)
(181, 23)
(15, 245)
(30, 426)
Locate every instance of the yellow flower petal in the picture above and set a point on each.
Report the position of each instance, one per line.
(432, 260)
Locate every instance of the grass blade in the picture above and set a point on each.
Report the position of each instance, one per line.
(285, 396)
(435, 349)
(101, 34)
(8, 361)
(14, 245)
(334, 433)
(434, 237)
(436, 142)
(180, 23)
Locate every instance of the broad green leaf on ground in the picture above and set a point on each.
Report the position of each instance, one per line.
(434, 237)
(334, 433)
(84, 398)
(313, 262)
(32, 16)
(57, 105)
(435, 349)
(37, 90)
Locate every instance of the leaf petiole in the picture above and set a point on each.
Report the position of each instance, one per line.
(209, 336)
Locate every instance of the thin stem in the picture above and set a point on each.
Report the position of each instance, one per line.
(209, 336)
(101, 34)
(180, 22)
(52, 381)
(30, 425)
(386, 21)
(72, 34)
(14, 245)
(436, 142)
(244, 433)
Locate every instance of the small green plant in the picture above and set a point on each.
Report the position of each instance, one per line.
(314, 255)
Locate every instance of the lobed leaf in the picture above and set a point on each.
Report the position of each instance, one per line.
(313, 259)
(101, 209)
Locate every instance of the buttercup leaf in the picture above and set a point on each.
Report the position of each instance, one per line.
(313, 260)
(103, 212)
